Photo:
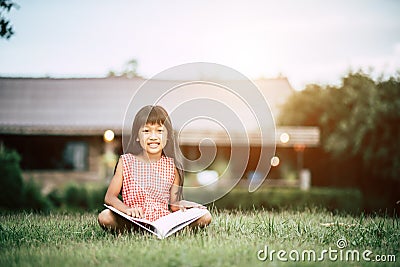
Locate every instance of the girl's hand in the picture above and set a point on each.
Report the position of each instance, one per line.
(135, 212)
(184, 204)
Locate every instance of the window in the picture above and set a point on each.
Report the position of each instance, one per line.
(50, 152)
(75, 155)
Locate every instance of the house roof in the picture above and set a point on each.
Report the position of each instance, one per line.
(87, 106)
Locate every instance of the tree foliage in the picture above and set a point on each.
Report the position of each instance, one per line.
(6, 29)
(15, 193)
(129, 70)
(359, 118)
(11, 183)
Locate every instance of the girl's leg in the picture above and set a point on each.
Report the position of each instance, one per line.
(202, 221)
(110, 221)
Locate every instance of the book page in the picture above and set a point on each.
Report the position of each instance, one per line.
(165, 225)
(145, 224)
(177, 218)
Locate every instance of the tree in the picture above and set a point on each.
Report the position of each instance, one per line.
(131, 68)
(6, 29)
(381, 144)
(312, 106)
(304, 107)
(15, 193)
(353, 109)
(360, 127)
(129, 71)
(370, 125)
(361, 118)
(11, 183)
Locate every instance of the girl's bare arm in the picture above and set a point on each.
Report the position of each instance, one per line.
(174, 193)
(113, 191)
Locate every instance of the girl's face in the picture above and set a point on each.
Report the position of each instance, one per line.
(153, 138)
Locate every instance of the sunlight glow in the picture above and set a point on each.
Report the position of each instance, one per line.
(275, 161)
(108, 136)
(284, 138)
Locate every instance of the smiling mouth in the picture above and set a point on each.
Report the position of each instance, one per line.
(153, 144)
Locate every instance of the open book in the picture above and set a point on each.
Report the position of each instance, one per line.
(166, 225)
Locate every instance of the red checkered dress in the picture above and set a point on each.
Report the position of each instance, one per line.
(147, 185)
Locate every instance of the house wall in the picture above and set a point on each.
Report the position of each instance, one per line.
(223, 158)
(42, 159)
(100, 167)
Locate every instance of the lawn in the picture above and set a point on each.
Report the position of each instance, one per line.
(233, 239)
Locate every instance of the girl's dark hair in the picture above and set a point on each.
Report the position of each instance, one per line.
(156, 115)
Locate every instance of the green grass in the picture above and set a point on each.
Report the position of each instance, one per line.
(233, 239)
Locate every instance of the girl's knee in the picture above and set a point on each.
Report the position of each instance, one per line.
(109, 221)
(106, 219)
(204, 220)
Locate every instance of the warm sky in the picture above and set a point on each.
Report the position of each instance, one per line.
(308, 41)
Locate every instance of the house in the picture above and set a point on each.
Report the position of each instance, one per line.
(58, 125)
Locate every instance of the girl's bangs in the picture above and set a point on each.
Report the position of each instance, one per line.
(156, 117)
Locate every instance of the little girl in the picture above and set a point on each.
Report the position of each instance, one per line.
(148, 177)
